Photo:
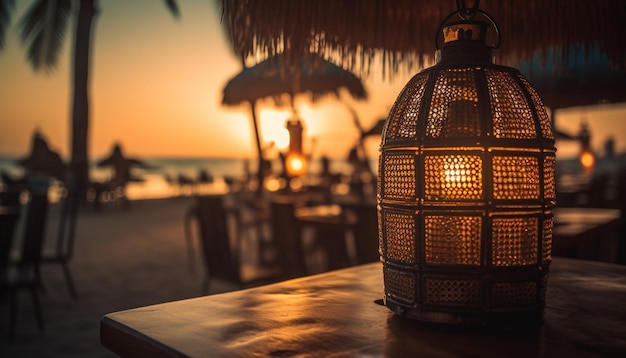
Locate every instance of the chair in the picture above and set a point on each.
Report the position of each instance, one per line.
(25, 274)
(365, 233)
(286, 233)
(253, 218)
(221, 256)
(9, 216)
(596, 194)
(66, 232)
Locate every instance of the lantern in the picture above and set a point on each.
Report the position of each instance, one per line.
(296, 164)
(466, 188)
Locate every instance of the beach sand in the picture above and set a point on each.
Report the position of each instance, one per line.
(124, 258)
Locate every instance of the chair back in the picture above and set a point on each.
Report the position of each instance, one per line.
(287, 237)
(34, 228)
(9, 216)
(66, 231)
(366, 234)
(217, 252)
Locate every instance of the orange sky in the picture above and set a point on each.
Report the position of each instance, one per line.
(156, 87)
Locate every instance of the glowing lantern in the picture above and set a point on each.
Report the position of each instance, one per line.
(466, 188)
(296, 163)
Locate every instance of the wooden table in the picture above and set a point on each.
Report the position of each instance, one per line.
(334, 314)
(586, 233)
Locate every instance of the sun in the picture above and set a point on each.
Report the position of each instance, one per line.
(272, 126)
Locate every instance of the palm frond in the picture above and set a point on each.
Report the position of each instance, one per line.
(43, 30)
(6, 6)
(172, 5)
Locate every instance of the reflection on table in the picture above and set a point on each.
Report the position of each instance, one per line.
(334, 314)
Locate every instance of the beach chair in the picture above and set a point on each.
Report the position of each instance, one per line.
(63, 250)
(220, 253)
(24, 274)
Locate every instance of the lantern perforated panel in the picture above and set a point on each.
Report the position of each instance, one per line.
(466, 190)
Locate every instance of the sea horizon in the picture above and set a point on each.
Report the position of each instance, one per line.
(162, 176)
(169, 176)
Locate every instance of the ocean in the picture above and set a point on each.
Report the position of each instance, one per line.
(160, 178)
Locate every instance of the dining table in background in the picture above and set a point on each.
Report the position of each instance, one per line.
(330, 226)
(587, 233)
(336, 314)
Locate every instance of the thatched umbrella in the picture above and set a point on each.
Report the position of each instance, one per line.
(402, 32)
(276, 77)
(273, 78)
(584, 78)
(579, 80)
(121, 165)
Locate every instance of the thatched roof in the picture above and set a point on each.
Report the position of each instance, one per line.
(272, 78)
(402, 32)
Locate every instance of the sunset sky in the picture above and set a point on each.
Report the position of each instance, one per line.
(156, 87)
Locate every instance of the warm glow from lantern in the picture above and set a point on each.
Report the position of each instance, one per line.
(296, 165)
(467, 187)
(587, 160)
(456, 173)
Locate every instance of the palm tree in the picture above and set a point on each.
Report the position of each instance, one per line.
(43, 31)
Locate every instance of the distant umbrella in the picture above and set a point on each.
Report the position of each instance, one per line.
(583, 78)
(122, 165)
(117, 158)
(276, 77)
(273, 78)
(42, 160)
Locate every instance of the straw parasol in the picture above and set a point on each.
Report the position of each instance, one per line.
(273, 78)
(278, 76)
(121, 165)
(401, 33)
(582, 79)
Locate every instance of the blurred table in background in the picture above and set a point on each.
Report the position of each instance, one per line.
(335, 314)
(331, 225)
(586, 233)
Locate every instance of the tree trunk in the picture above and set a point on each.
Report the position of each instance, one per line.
(80, 106)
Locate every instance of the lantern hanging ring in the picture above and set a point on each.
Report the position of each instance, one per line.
(467, 14)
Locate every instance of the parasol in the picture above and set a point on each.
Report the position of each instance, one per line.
(122, 165)
(273, 78)
(401, 33)
(277, 76)
(42, 160)
(581, 79)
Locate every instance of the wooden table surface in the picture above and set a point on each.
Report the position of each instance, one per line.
(334, 314)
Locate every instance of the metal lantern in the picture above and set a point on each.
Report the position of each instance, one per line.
(296, 164)
(466, 188)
